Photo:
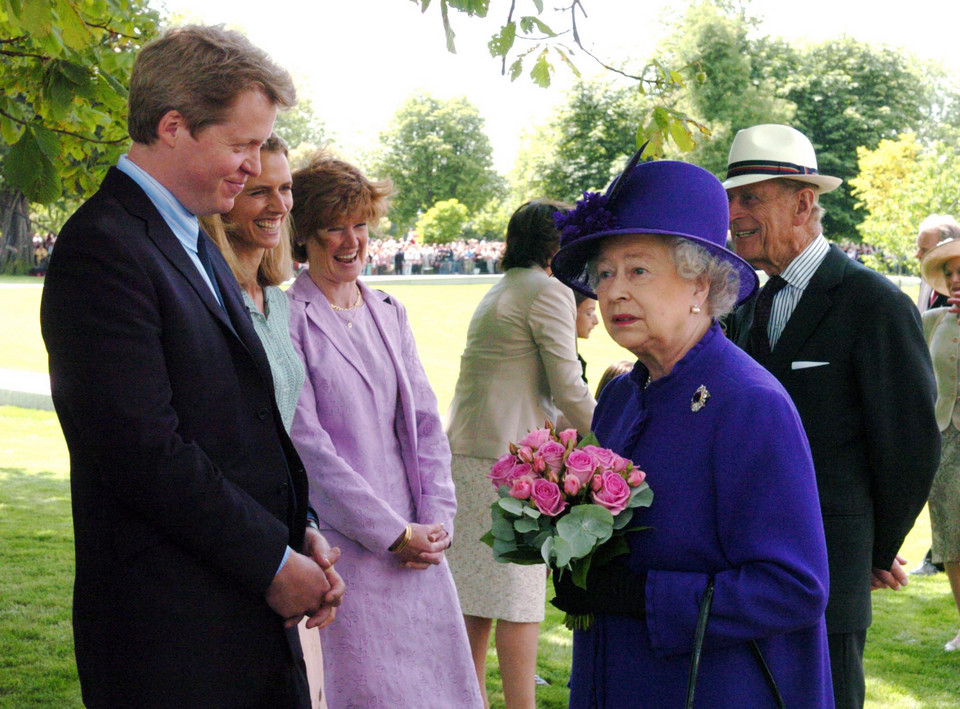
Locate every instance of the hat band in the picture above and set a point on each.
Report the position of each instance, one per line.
(767, 167)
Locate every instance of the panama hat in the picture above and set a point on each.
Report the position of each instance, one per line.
(931, 267)
(768, 151)
(660, 197)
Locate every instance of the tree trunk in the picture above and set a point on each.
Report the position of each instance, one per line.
(16, 244)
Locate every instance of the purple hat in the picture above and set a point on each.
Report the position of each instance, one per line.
(659, 197)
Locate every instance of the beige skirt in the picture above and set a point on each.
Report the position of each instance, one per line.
(487, 588)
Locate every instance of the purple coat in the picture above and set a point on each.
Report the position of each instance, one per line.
(735, 500)
(394, 624)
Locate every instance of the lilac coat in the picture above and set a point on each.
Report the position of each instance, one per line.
(394, 623)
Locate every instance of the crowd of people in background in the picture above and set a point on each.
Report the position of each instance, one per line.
(410, 256)
(229, 440)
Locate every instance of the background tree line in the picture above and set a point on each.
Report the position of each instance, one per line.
(885, 122)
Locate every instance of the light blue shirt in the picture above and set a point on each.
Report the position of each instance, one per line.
(182, 223)
(797, 275)
(184, 226)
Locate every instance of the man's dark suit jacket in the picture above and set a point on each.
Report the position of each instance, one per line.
(853, 358)
(186, 489)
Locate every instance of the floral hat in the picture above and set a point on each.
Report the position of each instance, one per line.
(660, 197)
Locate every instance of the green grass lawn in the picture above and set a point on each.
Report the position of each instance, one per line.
(906, 668)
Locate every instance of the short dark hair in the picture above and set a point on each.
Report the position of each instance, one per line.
(199, 71)
(532, 237)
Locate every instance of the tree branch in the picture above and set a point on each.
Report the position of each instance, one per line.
(61, 131)
(576, 39)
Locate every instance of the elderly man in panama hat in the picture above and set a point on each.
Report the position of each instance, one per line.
(848, 347)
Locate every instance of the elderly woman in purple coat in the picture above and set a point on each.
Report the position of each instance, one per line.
(369, 433)
(723, 449)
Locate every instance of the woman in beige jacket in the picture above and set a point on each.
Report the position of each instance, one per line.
(519, 368)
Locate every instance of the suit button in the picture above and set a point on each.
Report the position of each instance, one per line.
(282, 488)
(263, 413)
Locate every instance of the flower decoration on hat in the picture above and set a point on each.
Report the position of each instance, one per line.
(590, 216)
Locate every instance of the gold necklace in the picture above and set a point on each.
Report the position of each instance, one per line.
(356, 304)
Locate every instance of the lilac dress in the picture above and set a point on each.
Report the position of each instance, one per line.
(369, 433)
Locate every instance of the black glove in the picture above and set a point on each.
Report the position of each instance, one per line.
(612, 589)
(569, 597)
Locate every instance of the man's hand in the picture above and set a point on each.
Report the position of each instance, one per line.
(298, 589)
(892, 579)
(317, 547)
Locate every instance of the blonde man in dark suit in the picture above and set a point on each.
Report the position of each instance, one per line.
(193, 561)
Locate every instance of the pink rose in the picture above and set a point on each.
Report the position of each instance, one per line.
(567, 435)
(525, 454)
(535, 439)
(614, 493)
(571, 485)
(523, 469)
(539, 464)
(605, 457)
(636, 477)
(521, 487)
(547, 497)
(581, 464)
(500, 473)
(552, 454)
(620, 464)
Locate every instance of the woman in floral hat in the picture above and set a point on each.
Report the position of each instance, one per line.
(722, 445)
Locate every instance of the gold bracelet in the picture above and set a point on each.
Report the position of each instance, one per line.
(402, 544)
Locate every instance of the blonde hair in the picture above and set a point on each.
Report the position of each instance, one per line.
(276, 266)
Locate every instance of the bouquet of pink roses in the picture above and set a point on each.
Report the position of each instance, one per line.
(563, 504)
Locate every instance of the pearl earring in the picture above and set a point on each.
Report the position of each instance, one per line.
(695, 309)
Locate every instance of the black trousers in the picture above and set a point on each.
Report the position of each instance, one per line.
(846, 668)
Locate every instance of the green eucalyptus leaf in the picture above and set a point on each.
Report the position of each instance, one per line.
(511, 505)
(585, 527)
(502, 528)
(502, 548)
(581, 569)
(641, 496)
(563, 551)
(589, 440)
(532, 512)
(546, 551)
(526, 524)
(622, 519)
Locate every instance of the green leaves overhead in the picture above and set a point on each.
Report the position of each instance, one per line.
(65, 66)
(29, 165)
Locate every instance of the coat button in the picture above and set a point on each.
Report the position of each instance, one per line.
(263, 413)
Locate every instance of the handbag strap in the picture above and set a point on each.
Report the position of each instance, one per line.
(702, 619)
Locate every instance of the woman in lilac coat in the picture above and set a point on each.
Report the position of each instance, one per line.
(369, 433)
(724, 451)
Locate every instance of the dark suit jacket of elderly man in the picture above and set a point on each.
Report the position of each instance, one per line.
(853, 358)
(186, 489)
